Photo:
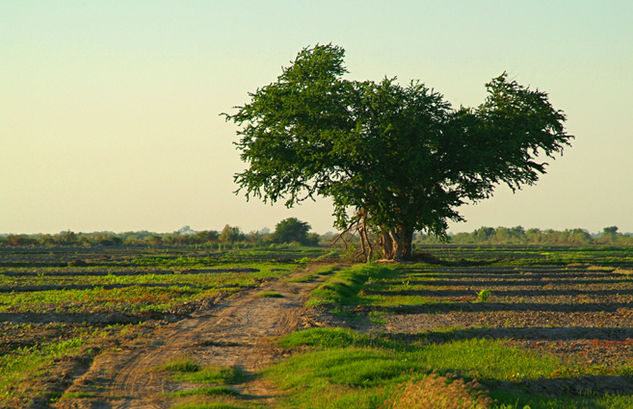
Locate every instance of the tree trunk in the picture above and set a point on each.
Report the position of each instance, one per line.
(406, 237)
(386, 245)
(396, 243)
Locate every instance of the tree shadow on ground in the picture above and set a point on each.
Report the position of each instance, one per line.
(503, 269)
(138, 272)
(91, 318)
(444, 307)
(579, 386)
(522, 333)
(30, 288)
(518, 282)
(516, 275)
(505, 293)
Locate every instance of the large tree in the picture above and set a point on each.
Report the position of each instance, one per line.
(395, 159)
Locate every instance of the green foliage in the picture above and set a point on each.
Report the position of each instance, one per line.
(517, 235)
(484, 294)
(399, 156)
(231, 234)
(293, 230)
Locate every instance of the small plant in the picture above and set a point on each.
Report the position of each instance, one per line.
(483, 295)
(304, 260)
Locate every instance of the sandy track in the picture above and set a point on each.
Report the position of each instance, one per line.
(236, 332)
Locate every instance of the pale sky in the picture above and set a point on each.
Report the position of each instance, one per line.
(109, 110)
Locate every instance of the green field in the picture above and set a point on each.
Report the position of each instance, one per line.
(494, 327)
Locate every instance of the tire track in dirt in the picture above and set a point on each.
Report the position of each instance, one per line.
(236, 332)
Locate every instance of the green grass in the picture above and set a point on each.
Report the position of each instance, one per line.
(325, 338)
(344, 367)
(270, 294)
(132, 293)
(342, 288)
(24, 364)
(219, 377)
(183, 365)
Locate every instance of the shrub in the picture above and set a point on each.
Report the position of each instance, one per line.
(438, 392)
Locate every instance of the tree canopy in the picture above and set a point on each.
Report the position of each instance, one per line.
(394, 158)
(292, 230)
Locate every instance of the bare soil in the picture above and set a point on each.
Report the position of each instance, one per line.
(236, 332)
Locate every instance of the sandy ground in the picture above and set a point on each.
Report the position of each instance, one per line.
(236, 332)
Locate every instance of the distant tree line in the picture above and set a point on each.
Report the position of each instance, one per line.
(290, 230)
(518, 235)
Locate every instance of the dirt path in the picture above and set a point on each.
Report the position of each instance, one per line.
(236, 332)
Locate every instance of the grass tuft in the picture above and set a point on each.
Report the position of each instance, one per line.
(183, 365)
(336, 338)
(270, 294)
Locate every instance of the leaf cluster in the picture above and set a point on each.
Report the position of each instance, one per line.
(400, 155)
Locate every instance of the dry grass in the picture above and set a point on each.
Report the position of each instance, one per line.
(438, 392)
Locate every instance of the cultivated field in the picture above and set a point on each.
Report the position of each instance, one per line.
(470, 327)
(62, 307)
